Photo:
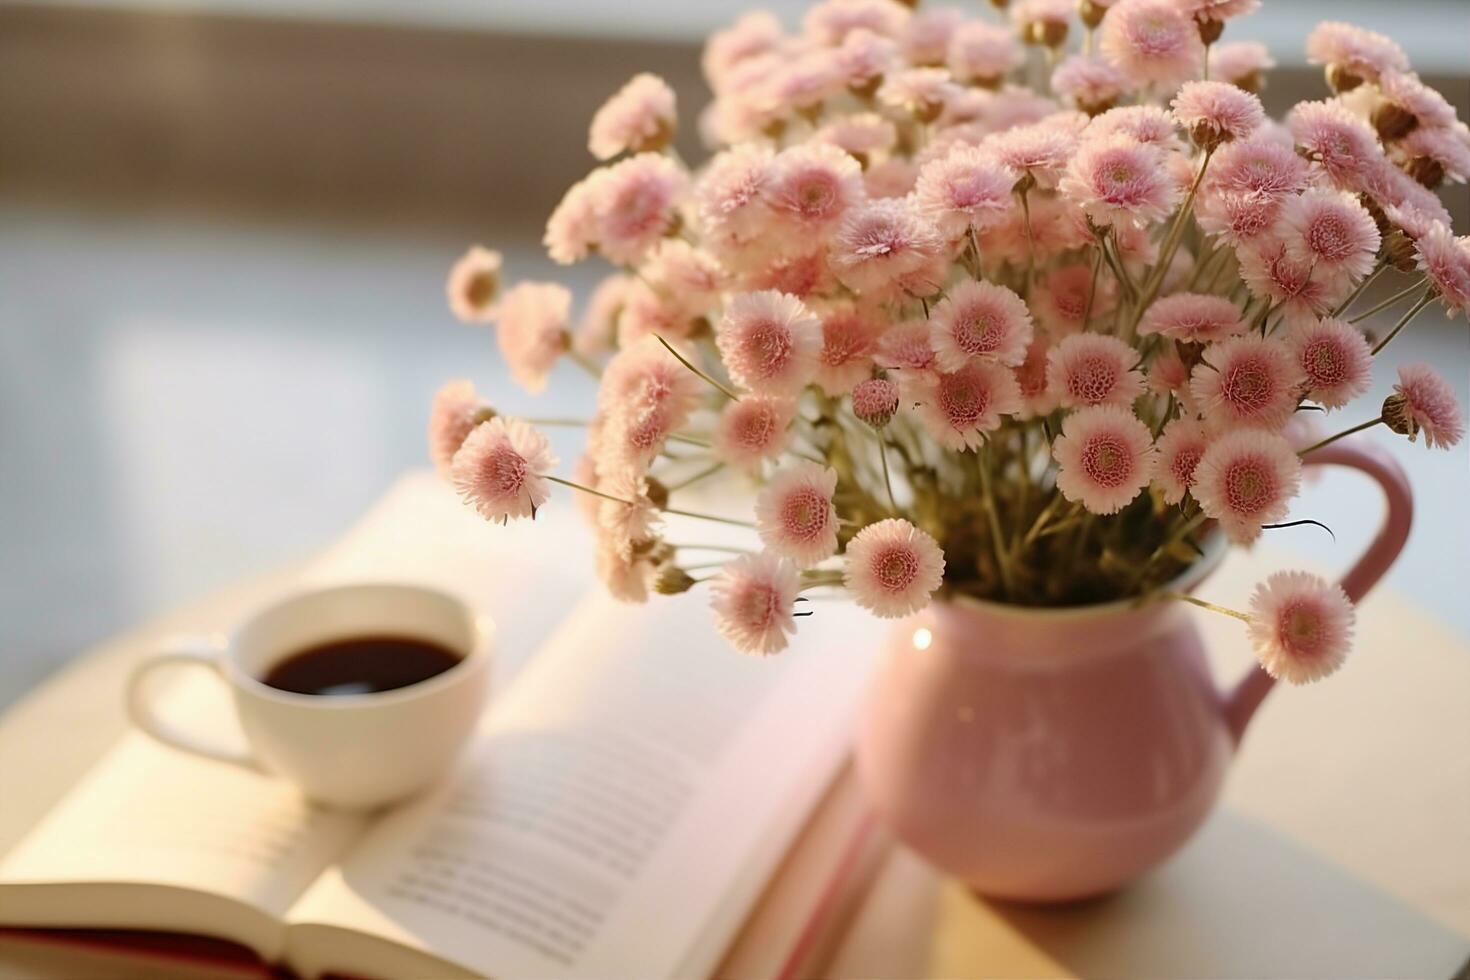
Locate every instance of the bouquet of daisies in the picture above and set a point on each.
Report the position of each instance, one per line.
(975, 313)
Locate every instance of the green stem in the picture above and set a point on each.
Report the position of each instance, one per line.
(1171, 245)
(1212, 607)
(887, 480)
(690, 481)
(1368, 281)
(1341, 435)
(586, 365)
(584, 489)
(1002, 559)
(1404, 320)
(705, 517)
(682, 360)
(558, 423)
(1386, 303)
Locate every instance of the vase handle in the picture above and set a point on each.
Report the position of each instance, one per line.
(1367, 457)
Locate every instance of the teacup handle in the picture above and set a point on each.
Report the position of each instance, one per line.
(187, 652)
(1366, 457)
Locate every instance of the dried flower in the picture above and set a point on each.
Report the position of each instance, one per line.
(754, 597)
(966, 189)
(456, 412)
(1105, 456)
(893, 568)
(532, 331)
(875, 401)
(753, 429)
(1250, 381)
(1116, 180)
(1193, 317)
(499, 469)
(879, 243)
(1152, 41)
(473, 285)
(794, 513)
(1246, 478)
(959, 407)
(1091, 369)
(1423, 401)
(638, 118)
(1330, 232)
(1216, 112)
(1301, 626)
(1335, 359)
(979, 321)
(769, 342)
(1180, 447)
(1445, 259)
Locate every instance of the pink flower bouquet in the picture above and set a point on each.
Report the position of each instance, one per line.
(976, 315)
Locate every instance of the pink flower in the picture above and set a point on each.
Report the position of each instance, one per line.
(690, 278)
(1152, 41)
(862, 134)
(498, 469)
(864, 58)
(1105, 456)
(1295, 288)
(959, 407)
(1240, 63)
(926, 38)
(1447, 148)
(1036, 397)
(1040, 150)
(964, 189)
(1216, 112)
(1335, 359)
(1116, 179)
(801, 276)
(646, 376)
(794, 515)
(1258, 164)
(456, 412)
(1424, 402)
(879, 243)
(647, 311)
(533, 331)
(1445, 259)
(634, 203)
(979, 320)
(640, 116)
(753, 429)
(1169, 375)
(806, 81)
(1181, 445)
(1404, 90)
(1061, 302)
(1089, 83)
(729, 197)
(597, 330)
(811, 187)
(1330, 231)
(1343, 145)
(893, 177)
(1205, 11)
(626, 578)
(830, 22)
(924, 92)
(1193, 317)
(753, 598)
(875, 401)
(1301, 627)
(849, 339)
(1141, 123)
(1093, 369)
(769, 342)
(755, 33)
(571, 231)
(893, 568)
(982, 53)
(626, 525)
(473, 284)
(1247, 478)
(1362, 53)
(906, 345)
(1247, 381)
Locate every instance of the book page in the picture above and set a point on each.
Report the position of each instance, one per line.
(150, 815)
(147, 814)
(632, 794)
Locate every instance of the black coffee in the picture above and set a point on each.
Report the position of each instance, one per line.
(360, 665)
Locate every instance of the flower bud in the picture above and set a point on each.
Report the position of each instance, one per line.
(672, 580)
(1393, 121)
(1396, 416)
(1210, 30)
(658, 493)
(1091, 13)
(1340, 80)
(875, 401)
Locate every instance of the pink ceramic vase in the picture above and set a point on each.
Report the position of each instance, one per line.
(1055, 754)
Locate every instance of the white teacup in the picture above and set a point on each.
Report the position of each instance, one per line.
(347, 750)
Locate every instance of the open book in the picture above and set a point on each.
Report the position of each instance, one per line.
(632, 790)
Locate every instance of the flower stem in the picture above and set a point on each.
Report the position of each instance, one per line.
(1382, 268)
(689, 481)
(1002, 558)
(1212, 607)
(1386, 303)
(706, 517)
(1331, 439)
(1404, 320)
(1171, 245)
(585, 364)
(584, 489)
(681, 359)
(887, 480)
(558, 423)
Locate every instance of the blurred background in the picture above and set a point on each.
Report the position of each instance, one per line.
(224, 230)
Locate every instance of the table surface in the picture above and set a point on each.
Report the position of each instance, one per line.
(1360, 786)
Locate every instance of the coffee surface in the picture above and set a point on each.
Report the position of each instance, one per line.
(360, 665)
